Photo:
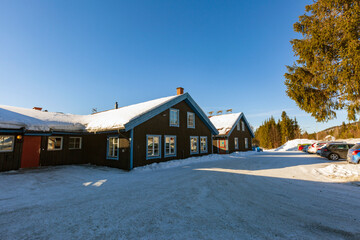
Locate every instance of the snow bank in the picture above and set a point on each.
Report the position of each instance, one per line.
(192, 160)
(339, 171)
(292, 145)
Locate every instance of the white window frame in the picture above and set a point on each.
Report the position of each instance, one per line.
(61, 145)
(80, 144)
(238, 126)
(188, 115)
(197, 145)
(115, 149)
(147, 145)
(206, 144)
(246, 140)
(178, 117)
(12, 145)
(175, 147)
(236, 143)
(243, 126)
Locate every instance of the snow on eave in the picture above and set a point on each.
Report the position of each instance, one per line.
(123, 118)
(35, 120)
(225, 123)
(117, 119)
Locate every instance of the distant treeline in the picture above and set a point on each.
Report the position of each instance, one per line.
(272, 134)
(344, 131)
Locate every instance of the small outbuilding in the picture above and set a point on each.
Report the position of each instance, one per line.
(235, 133)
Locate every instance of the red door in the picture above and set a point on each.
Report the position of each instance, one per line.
(222, 143)
(31, 152)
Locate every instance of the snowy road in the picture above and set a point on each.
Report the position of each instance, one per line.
(271, 195)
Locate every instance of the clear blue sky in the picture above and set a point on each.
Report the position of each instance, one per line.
(72, 56)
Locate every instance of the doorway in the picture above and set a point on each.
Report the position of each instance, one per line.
(30, 156)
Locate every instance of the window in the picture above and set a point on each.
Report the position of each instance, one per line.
(55, 143)
(246, 143)
(203, 144)
(113, 148)
(243, 126)
(236, 142)
(174, 117)
(238, 126)
(170, 146)
(194, 145)
(190, 120)
(75, 142)
(341, 146)
(7, 143)
(153, 146)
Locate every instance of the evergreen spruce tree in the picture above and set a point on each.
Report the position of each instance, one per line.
(326, 76)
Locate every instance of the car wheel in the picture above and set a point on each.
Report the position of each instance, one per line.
(334, 157)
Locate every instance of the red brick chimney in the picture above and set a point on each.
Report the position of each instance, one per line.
(37, 108)
(179, 91)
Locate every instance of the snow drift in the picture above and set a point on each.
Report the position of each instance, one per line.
(292, 145)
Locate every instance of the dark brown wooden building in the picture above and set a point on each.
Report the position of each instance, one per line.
(155, 131)
(235, 133)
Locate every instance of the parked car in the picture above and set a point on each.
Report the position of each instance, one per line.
(336, 151)
(311, 148)
(301, 147)
(319, 147)
(316, 146)
(305, 148)
(353, 155)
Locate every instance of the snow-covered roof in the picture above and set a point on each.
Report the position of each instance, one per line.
(122, 118)
(35, 120)
(224, 123)
(118, 118)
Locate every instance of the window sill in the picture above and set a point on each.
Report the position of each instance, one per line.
(155, 157)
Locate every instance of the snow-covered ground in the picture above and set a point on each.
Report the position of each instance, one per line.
(269, 195)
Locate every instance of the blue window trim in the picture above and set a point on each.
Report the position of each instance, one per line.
(246, 140)
(12, 145)
(236, 143)
(170, 155)
(62, 143)
(238, 126)
(187, 119)
(178, 117)
(131, 149)
(107, 148)
(206, 151)
(197, 140)
(153, 157)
